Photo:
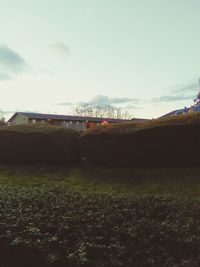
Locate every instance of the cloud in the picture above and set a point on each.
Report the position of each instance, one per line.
(187, 87)
(172, 98)
(5, 76)
(10, 61)
(102, 100)
(60, 48)
(181, 92)
(105, 100)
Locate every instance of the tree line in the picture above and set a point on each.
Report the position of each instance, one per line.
(2, 119)
(99, 111)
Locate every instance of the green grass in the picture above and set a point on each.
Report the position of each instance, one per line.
(177, 182)
(52, 227)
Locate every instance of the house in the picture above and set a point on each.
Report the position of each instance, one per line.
(175, 113)
(185, 110)
(139, 120)
(74, 122)
(195, 108)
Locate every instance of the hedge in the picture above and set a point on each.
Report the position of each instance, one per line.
(39, 145)
(175, 145)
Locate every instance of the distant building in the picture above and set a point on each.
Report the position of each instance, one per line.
(195, 108)
(176, 112)
(138, 120)
(185, 110)
(74, 122)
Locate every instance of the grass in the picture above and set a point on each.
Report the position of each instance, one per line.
(42, 224)
(176, 182)
(52, 227)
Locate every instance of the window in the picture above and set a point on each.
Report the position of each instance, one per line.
(41, 121)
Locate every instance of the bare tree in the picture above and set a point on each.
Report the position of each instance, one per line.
(2, 122)
(100, 111)
(197, 99)
(2, 119)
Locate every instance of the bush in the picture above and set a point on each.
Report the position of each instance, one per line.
(175, 145)
(131, 127)
(52, 227)
(40, 145)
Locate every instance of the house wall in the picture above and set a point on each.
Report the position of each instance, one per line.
(75, 125)
(19, 119)
(36, 121)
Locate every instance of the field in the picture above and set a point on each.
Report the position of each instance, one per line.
(91, 216)
(177, 182)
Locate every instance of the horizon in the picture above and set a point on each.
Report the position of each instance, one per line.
(142, 56)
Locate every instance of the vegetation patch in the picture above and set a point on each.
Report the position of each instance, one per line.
(130, 127)
(53, 227)
(170, 142)
(39, 144)
(181, 182)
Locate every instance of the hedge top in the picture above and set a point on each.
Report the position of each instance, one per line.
(131, 127)
(45, 129)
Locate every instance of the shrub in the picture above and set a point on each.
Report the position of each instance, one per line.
(131, 127)
(43, 145)
(175, 145)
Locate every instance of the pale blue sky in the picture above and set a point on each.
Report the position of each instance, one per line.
(139, 54)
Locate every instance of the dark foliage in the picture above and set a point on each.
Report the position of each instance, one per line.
(161, 146)
(30, 145)
(42, 227)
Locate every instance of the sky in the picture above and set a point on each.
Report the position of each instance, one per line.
(140, 55)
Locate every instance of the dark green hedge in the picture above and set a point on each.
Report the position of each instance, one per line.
(162, 146)
(38, 145)
(42, 227)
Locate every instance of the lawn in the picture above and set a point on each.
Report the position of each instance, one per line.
(96, 216)
(177, 182)
(52, 227)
